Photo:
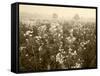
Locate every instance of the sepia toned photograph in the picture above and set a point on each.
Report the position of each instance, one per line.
(57, 38)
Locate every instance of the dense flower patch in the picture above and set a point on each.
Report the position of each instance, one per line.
(55, 45)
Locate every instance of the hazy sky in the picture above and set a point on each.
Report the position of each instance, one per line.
(61, 11)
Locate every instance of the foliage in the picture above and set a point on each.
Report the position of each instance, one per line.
(55, 45)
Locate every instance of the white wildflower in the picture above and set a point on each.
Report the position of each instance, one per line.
(59, 58)
(26, 55)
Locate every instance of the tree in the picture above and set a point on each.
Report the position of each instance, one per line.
(76, 17)
(54, 15)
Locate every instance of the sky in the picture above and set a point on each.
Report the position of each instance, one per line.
(68, 12)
